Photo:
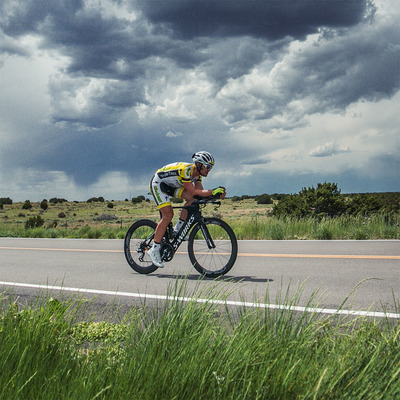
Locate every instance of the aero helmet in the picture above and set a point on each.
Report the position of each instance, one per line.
(203, 157)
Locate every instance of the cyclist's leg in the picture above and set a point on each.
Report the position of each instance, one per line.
(185, 195)
(167, 214)
(163, 203)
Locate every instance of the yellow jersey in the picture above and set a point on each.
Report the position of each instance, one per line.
(176, 174)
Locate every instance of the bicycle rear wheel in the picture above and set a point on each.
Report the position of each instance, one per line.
(138, 240)
(218, 260)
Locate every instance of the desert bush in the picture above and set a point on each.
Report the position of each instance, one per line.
(27, 205)
(138, 199)
(44, 205)
(324, 200)
(5, 200)
(264, 199)
(56, 200)
(52, 224)
(34, 222)
(96, 200)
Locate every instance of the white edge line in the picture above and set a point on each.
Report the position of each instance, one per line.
(373, 314)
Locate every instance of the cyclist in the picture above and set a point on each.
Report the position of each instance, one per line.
(181, 180)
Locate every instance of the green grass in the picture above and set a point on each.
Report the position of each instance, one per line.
(344, 227)
(248, 219)
(190, 350)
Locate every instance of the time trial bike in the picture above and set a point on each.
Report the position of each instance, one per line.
(211, 245)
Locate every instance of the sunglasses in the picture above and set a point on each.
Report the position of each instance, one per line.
(208, 167)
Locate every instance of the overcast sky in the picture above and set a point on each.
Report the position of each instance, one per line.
(95, 95)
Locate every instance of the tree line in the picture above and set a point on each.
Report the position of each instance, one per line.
(326, 200)
(323, 200)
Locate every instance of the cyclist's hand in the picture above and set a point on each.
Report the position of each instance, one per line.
(219, 192)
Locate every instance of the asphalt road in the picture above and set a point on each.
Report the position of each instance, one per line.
(366, 273)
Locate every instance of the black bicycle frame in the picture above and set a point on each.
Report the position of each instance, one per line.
(194, 216)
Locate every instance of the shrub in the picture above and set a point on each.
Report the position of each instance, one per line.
(264, 199)
(110, 205)
(56, 200)
(96, 200)
(137, 200)
(27, 205)
(292, 205)
(239, 198)
(324, 200)
(61, 215)
(52, 224)
(373, 203)
(5, 200)
(44, 205)
(34, 222)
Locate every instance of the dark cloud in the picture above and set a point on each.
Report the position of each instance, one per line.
(272, 19)
(199, 70)
(387, 165)
(95, 43)
(349, 181)
(23, 16)
(336, 70)
(187, 35)
(92, 103)
(230, 58)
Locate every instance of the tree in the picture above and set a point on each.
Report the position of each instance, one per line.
(324, 200)
(291, 205)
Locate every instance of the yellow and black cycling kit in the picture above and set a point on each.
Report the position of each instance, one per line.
(168, 182)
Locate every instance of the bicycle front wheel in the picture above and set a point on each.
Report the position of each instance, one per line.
(219, 259)
(138, 241)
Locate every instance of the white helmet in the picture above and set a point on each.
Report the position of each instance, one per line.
(203, 157)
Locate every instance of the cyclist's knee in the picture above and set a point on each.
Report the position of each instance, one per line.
(167, 213)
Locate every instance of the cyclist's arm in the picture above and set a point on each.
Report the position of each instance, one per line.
(196, 189)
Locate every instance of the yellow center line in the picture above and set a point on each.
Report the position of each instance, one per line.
(337, 256)
(350, 256)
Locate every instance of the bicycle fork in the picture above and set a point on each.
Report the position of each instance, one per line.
(207, 236)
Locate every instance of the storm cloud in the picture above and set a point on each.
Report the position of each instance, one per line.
(100, 87)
